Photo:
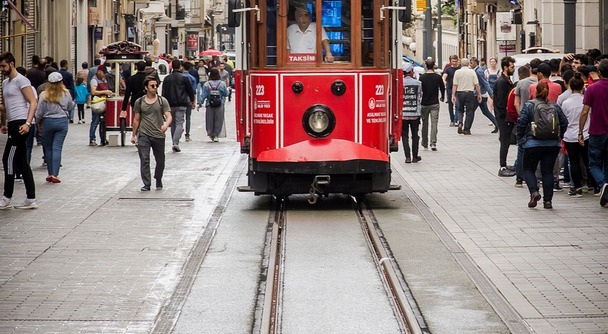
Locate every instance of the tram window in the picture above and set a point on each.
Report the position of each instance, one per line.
(367, 33)
(335, 22)
(271, 33)
(336, 17)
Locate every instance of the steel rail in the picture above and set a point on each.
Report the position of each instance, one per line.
(390, 274)
(268, 308)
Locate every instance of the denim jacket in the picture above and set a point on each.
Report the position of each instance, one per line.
(524, 132)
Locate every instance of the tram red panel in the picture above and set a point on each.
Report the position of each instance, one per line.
(323, 150)
(375, 115)
(264, 112)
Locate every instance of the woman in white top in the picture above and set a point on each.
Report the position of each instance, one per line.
(492, 74)
(577, 154)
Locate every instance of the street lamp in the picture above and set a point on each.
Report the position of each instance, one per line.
(211, 13)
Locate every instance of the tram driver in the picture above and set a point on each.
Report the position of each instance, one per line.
(302, 35)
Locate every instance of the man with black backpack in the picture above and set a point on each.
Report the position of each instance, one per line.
(215, 92)
(178, 91)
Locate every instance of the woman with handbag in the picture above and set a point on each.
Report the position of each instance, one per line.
(540, 136)
(52, 116)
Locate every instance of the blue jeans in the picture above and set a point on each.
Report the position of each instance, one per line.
(55, 130)
(519, 164)
(95, 118)
(486, 111)
(199, 93)
(598, 158)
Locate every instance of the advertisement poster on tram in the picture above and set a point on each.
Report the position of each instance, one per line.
(265, 115)
(375, 113)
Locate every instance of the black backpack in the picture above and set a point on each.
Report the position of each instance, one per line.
(215, 97)
(545, 121)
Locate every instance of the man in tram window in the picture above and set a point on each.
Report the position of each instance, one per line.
(302, 35)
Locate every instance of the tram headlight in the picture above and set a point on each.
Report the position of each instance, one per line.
(319, 121)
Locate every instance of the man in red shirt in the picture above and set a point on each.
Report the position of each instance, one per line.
(544, 73)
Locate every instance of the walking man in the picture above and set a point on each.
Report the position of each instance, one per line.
(432, 83)
(595, 99)
(464, 89)
(485, 88)
(178, 91)
(135, 86)
(410, 114)
(502, 88)
(151, 119)
(16, 115)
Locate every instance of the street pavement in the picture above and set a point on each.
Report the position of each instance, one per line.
(99, 255)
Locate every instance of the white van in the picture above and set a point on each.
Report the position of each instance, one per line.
(523, 59)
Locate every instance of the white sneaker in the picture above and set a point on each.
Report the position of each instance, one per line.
(27, 204)
(5, 203)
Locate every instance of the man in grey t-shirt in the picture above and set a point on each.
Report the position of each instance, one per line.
(16, 115)
(151, 119)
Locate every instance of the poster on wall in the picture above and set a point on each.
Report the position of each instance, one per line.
(505, 31)
(192, 41)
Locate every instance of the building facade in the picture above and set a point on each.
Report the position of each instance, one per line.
(494, 28)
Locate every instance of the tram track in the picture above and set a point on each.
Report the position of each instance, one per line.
(269, 305)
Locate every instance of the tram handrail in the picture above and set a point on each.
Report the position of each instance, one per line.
(242, 10)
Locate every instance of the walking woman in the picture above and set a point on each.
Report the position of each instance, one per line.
(215, 92)
(52, 113)
(537, 148)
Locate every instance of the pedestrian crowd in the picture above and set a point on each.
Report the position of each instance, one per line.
(556, 115)
(39, 103)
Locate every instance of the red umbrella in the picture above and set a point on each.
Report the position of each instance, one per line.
(210, 53)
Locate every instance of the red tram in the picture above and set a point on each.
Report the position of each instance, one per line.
(318, 98)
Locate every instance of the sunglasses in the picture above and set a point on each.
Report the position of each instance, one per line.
(153, 86)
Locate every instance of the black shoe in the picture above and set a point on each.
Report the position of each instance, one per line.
(504, 172)
(159, 184)
(556, 187)
(534, 198)
(604, 194)
(416, 159)
(466, 132)
(495, 130)
(408, 160)
(575, 192)
(459, 129)
(145, 188)
(547, 205)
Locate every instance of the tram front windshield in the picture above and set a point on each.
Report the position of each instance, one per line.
(323, 28)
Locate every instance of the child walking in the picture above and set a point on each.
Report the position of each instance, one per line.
(82, 94)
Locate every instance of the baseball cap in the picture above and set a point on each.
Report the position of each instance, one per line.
(407, 67)
(55, 77)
